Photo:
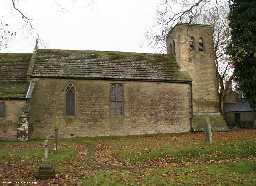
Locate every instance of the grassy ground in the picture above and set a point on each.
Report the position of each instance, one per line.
(175, 159)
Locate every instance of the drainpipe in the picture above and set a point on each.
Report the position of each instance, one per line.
(191, 106)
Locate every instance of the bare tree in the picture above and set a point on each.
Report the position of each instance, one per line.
(213, 12)
(23, 16)
(6, 33)
(218, 18)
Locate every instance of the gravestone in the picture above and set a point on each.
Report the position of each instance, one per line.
(208, 131)
(46, 169)
(46, 150)
(56, 131)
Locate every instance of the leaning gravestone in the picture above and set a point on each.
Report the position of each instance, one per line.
(46, 169)
(208, 131)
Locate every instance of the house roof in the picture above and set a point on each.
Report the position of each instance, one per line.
(14, 66)
(13, 90)
(54, 63)
(242, 106)
(13, 74)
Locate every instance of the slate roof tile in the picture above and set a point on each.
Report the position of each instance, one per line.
(242, 106)
(13, 66)
(10, 90)
(55, 63)
(13, 74)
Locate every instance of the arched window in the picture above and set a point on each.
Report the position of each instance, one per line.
(192, 43)
(201, 44)
(70, 100)
(173, 48)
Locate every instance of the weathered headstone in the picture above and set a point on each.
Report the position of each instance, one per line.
(208, 131)
(46, 169)
(56, 123)
(56, 131)
(46, 150)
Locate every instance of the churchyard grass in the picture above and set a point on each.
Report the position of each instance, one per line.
(173, 159)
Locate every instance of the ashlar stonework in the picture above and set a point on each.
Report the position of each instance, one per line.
(148, 108)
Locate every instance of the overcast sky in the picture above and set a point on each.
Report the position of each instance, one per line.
(118, 25)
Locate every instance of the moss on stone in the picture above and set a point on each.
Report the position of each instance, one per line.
(114, 64)
(14, 57)
(13, 90)
(109, 54)
(216, 120)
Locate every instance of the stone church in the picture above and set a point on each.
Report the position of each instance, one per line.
(99, 93)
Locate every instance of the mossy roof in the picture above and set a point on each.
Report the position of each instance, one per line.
(13, 90)
(242, 106)
(13, 74)
(14, 66)
(56, 63)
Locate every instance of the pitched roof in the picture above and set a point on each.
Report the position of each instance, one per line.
(14, 66)
(55, 63)
(13, 90)
(242, 106)
(13, 74)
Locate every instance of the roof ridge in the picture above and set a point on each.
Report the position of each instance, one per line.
(97, 51)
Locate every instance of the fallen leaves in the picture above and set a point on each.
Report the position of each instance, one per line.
(102, 155)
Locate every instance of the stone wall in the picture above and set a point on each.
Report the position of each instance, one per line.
(9, 123)
(199, 64)
(149, 108)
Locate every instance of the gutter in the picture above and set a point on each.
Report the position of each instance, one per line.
(115, 79)
(12, 98)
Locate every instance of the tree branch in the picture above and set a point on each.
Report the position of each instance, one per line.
(179, 15)
(20, 12)
(27, 20)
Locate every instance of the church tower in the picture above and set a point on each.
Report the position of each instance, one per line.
(192, 46)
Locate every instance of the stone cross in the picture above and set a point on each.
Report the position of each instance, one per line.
(46, 169)
(46, 150)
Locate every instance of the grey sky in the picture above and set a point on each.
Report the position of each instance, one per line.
(82, 24)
